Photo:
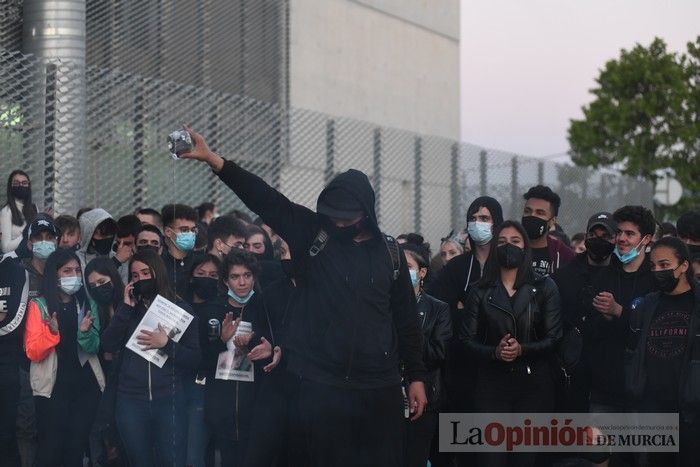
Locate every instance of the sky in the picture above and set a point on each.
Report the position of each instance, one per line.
(527, 65)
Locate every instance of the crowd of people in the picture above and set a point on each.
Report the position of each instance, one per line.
(357, 340)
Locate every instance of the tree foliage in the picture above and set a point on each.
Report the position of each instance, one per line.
(644, 119)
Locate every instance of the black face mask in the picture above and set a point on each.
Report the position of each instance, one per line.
(694, 251)
(102, 246)
(145, 289)
(103, 293)
(20, 192)
(205, 288)
(343, 234)
(598, 249)
(665, 281)
(147, 248)
(510, 256)
(534, 226)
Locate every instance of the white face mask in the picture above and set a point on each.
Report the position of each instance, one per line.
(480, 232)
(70, 285)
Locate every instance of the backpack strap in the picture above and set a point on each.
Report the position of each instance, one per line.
(319, 243)
(394, 252)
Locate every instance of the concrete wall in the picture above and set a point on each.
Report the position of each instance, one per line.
(391, 62)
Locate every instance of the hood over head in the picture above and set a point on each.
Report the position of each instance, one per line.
(349, 195)
(88, 223)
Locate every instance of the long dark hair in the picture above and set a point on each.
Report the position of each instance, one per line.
(106, 267)
(49, 283)
(28, 212)
(158, 272)
(680, 251)
(492, 270)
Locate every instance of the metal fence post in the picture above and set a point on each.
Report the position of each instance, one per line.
(540, 173)
(514, 187)
(330, 150)
(418, 182)
(139, 184)
(215, 188)
(455, 188)
(483, 174)
(377, 178)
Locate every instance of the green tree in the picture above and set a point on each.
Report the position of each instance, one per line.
(644, 116)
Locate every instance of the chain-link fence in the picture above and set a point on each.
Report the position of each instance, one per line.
(134, 98)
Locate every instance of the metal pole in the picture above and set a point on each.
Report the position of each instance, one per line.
(417, 185)
(540, 173)
(330, 150)
(377, 178)
(455, 188)
(55, 31)
(483, 174)
(514, 188)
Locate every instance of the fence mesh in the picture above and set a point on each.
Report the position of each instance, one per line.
(221, 66)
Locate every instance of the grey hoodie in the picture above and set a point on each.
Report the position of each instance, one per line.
(88, 223)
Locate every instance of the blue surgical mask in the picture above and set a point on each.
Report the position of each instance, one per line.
(480, 232)
(414, 276)
(43, 249)
(241, 300)
(184, 241)
(70, 285)
(629, 256)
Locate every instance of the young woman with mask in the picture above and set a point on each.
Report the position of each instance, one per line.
(62, 341)
(663, 374)
(511, 326)
(17, 212)
(435, 322)
(150, 402)
(105, 286)
(228, 407)
(206, 300)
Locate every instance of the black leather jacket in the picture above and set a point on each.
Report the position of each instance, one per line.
(533, 318)
(436, 325)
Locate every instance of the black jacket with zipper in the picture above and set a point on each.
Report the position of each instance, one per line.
(138, 378)
(434, 318)
(350, 320)
(635, 369)
(533, 318)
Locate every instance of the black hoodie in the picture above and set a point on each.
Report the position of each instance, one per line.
(351, 321)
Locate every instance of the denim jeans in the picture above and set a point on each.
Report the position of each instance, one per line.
(159, 425)
(196, 429)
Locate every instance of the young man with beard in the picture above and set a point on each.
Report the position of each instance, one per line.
(353, 319)
(539, 218)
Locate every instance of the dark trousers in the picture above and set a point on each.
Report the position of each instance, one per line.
(338, 427)
(159, 425)
(26, 421)
(64, 421)
(419, 437)
(502, 390)
(9, 398)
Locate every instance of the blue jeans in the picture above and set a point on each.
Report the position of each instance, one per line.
(196, 429)
(160, 425)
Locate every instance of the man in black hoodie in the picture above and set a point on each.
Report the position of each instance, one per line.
(353, 319)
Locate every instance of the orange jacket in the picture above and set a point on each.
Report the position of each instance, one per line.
(39, 341)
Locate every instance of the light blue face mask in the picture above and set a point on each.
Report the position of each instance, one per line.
(480, 232)
(43, 249)
(184, 241)
(70, 285)
(629, 256)
(241, 300)
(414, 276)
